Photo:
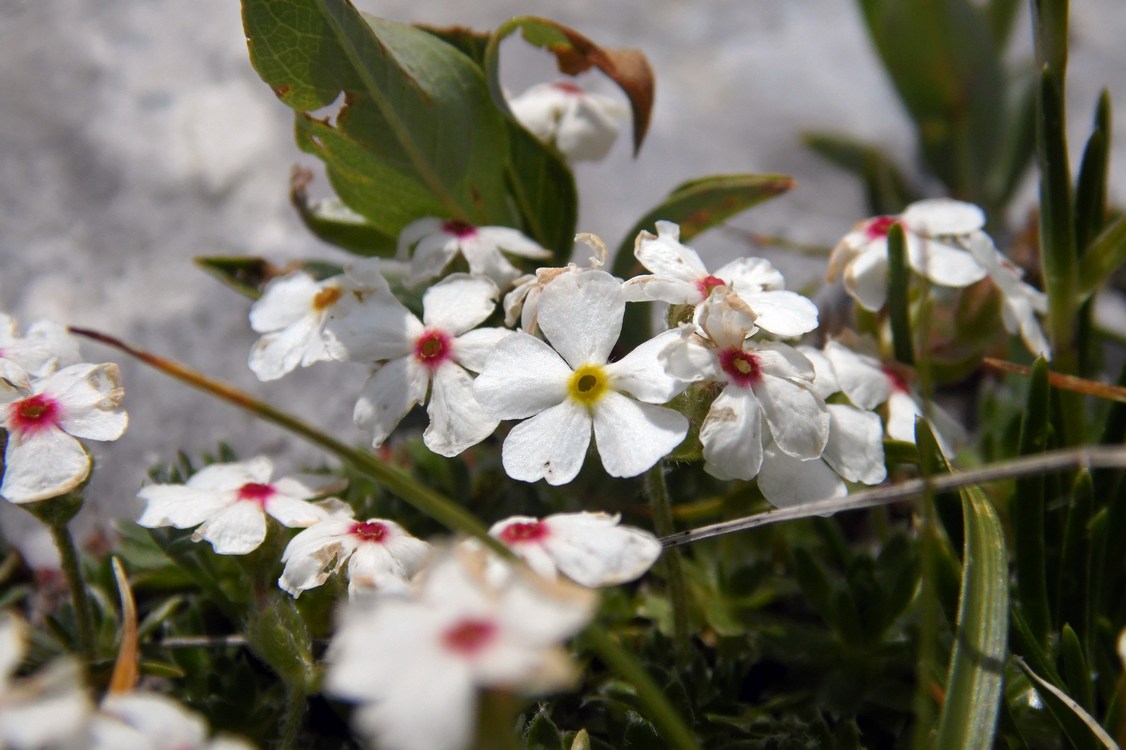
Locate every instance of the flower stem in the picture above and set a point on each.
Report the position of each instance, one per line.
(658, 492)
(72, 569)
(657, 706)
(295, 707)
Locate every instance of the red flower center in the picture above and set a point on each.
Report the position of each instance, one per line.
(33, 414)
(369, 531)
(524, 531)
(741, 366)
(469, 636)
(458, 228)
(432, 348)
(880, 226)
(706, 285)
(257, 493)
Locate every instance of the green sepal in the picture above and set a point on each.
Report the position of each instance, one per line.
(55, 512)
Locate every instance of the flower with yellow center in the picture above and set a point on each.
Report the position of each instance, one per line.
(567, 392)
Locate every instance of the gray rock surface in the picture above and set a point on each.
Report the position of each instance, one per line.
(134, 135)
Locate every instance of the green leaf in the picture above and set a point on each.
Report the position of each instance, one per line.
(1094, 173)
(1049, 30)
(885, 186)
(1074, 600)
(247, 275)
(331, 220)
(899, 281)
(543, 190)
(1026, 510)
(277, 634)
(1103, 257)
(973, 686)
(574, 54)
(414, 133)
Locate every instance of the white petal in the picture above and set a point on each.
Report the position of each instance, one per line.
(856, 445)
(523, 376)
(180, 506)
(308, 556)
(687, 358)
(414, 232)
(632, 436)
(787, 481)
(732, 435)
(472, 348)
(593, 550)
(514, 242)
(581, 315)
(727, 318)
(387, 396)
(236, 530)
(866, 277)
(459, 302)
(751, 275)
(42, 465)
(375, 328)
(232, 476)
(588, 128)
(860, 377)
(939, 216)
(799, 421)
(825, 378)
(944, 263)
(277, 354)
(284, 301)
(90, 397)
(457, 420)
(551, 445)
(641, 373)
(432, 706)
(432, 254)
(785, 314)
(668, 259)
(294, 513)
(902, 411)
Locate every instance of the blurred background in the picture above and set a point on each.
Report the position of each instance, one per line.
(135, 136)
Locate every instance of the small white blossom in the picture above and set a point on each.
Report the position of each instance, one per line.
(291, 315)
(591, 549)
(152, 721)
(46, 347)
(936, 234)
(229, 503)
(680, 278)
(1019, 302)
(380, 554)
(45, 416)
(762, 382)
(414, 663)
(522, 301)
(436, 242)
(438, 354)
(565, 393)
(580, 124)
(45, 710)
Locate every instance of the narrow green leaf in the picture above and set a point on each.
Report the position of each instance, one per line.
(815, 584)
(1074, 598)
(973, 687)
(574, 54)
(1076, 673)
(899, 281)
(1049, 33)
(885, 186)
(1026, 510)
(1094, 173)
(414, 133)
(1104, 256)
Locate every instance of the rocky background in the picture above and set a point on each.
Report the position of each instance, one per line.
(134, 136)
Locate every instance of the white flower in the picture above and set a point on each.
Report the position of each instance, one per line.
(680, 278)
(762, 382)
(380, 554)
(1019, 302)
(571, 390)
(44, 417)
(580, 124)
(436, 242)
(292, 313)
(46, 347)
(591, 549)
(437, 353)
(522, 301)
(151, 721)
(414, 663)
(231, 502)
(42, 711)
(936, 232)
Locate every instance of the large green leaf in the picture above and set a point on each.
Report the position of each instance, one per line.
(414, 132)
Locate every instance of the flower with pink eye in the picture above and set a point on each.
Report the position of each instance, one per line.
(432, 243)
(581, 124)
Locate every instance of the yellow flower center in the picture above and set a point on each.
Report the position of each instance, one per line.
(326, 298)
(588, 384)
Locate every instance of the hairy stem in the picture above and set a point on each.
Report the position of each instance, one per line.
(72, 569)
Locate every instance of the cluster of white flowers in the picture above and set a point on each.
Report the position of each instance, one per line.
(51, 710)
(48, 400)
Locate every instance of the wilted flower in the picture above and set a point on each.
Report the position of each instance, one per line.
(566, 392)
(450, 635)
(45, 416)
(580, 124)
(522, 301)
(437, 354)
(592, 549)
(379, 553)
(231, 502)
(435, 243)
(936, 234)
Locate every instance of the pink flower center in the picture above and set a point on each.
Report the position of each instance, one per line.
(432, 348)
(568, 87)
(369, 531)
(33, 414)
(707, 284)
(256, 493)
(458, 228)
(524, 531)
(880, 226)
(469, 636)
(896, 380)
(741, 366)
